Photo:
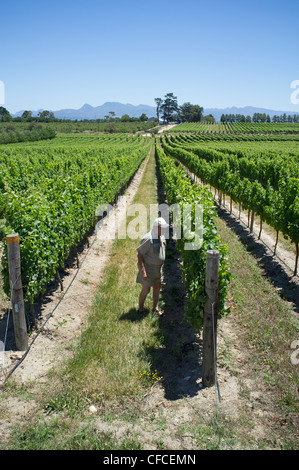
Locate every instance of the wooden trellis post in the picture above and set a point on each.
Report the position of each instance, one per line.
(210, 318)
(17, 301)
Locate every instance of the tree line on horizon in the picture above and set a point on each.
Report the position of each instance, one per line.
(168, 111)
(259, 117)
(48, 116)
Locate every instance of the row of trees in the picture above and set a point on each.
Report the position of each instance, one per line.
(285, 118)
(34, 132)
(110, 117)
(258, 117)
(48, 116)
(169, 110)
(42, 116)
(4, 115)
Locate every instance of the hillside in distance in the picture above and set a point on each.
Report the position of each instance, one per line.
(246, 111)
(99, 112)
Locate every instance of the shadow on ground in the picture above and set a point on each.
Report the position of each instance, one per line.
(281, 278)
(179, 360)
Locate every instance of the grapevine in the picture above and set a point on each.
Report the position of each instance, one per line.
(181, 191)
(49, 194)
(265, 183)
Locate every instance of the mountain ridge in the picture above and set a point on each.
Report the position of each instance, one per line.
(99, 112)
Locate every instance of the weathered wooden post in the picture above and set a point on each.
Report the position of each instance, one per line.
(252, 221)
(210, 318)
(17, 301)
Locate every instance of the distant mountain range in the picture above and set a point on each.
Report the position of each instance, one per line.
(246, 111)
(99, 112)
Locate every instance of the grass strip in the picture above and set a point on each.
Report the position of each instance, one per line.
(269, 326)
(114, 350)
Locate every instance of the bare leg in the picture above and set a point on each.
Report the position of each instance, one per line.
(142, 296)
(156, 293)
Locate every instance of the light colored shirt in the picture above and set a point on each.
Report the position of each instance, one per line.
(152, 250)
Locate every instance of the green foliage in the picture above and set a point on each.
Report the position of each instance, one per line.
(267, 183)
(12, 135)
(67, 126)
(4, 115)
(180, 190)
(190, 113)
(49, 196)
(169, 107)
(242, 130)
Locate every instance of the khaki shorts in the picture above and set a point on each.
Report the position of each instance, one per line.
(154, 274)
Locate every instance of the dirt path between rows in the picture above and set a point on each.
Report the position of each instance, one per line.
(166, 127)
(173, 413)
(285, 256)
(66, 310)
(279, 268)
(61, 314)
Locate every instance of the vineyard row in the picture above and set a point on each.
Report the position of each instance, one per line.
(265, 185)
(49, 195)
(179, 190)
(237, 128)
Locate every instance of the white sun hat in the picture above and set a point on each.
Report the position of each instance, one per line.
(160, 222)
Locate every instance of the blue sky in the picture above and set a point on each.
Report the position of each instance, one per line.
(63, 54)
